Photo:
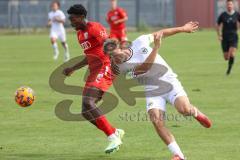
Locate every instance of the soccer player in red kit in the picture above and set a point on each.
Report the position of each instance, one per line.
(91, 36)
(116, 18)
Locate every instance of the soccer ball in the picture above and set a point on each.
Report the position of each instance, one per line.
(24, 96)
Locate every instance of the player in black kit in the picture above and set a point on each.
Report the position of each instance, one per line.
(227, 26)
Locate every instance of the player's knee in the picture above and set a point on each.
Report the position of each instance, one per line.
(53, 40)
(232, 54)
(157, 120)
(87, 104)
(225, 58)
(87, 107)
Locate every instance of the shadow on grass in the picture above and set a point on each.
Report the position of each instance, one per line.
(93, 156)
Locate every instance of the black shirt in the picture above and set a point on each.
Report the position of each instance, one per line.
(230, 22)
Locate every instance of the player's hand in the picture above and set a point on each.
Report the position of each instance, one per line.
(49, 23)
(68, 71)
(57, 19)
(191, 27)
(116, 22)
(220, 38)
(158, 39)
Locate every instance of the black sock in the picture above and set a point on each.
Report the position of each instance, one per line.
(231, 61)
(230, 64)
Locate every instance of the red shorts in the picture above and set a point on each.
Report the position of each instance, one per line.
(121, 35)
(101, 80)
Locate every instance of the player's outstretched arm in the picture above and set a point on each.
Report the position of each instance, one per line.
(49, 23)
(189, 27)
(147, 64)
(68, 71)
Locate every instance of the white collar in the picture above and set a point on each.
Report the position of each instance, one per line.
(231, 13)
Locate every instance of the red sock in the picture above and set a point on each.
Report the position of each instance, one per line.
(103, 124)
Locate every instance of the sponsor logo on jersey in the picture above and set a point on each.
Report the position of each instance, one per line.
(150, 104)
(85, 35)
(99, 77)
(144, 50)
(86, 45)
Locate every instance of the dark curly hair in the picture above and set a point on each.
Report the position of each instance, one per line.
(77, 9)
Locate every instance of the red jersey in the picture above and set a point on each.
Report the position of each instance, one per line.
(114, 15)
(91, 41)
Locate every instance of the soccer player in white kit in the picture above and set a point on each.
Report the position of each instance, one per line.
(145, 64)
(56, 20)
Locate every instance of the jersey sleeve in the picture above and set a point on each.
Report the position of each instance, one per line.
(238, 16)
(142, 41)
(220, 19)
(99, 32)
(123, 13)
(145, 39)
(49, 16)
(62, 15)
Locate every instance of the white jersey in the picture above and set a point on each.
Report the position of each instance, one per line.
(161, 83)
(141, 49)
(56, 26)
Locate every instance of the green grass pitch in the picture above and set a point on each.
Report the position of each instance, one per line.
(35, 133)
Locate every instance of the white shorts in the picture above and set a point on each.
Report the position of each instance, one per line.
(159, 102)
(58, 34)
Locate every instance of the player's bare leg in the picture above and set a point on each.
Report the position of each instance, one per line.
(55, 48)
(184, 107)
(93, 114)
(231, 54)
(157, 118)
(66, 53)
(226, 56)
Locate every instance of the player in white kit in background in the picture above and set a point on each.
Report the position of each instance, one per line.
(143, 62)
(56, 20)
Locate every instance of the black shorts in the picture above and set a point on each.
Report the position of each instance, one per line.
(229, 41)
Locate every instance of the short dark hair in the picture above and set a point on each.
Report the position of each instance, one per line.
(109, 45)
(229, 0)
(77, 9)
(57, 2)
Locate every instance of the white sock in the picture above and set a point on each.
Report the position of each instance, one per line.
(116, 132)
(56, 51)
(66, 54)
(175, 149)
(195, 112)
(112, 137)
